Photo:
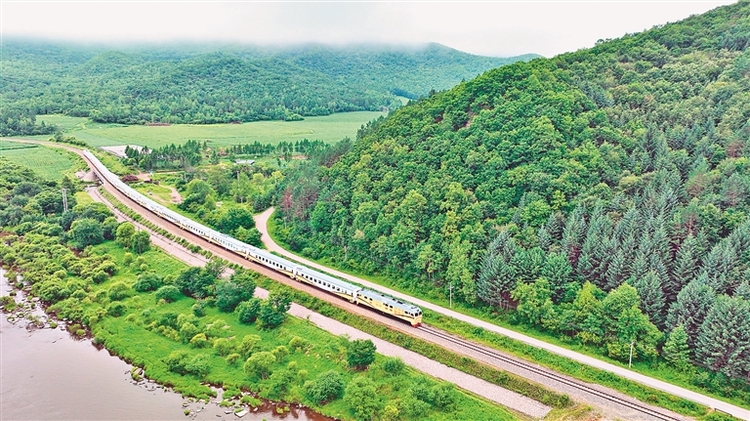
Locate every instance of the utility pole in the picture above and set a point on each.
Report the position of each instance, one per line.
(450, 294)
(630, 361)
(65, 199)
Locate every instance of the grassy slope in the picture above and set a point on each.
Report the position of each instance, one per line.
(330, 128)
(48, 163)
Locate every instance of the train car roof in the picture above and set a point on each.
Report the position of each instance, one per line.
(272, 257)
(327, 278)
(395, 302)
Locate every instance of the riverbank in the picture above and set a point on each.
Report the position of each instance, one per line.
(48, 374)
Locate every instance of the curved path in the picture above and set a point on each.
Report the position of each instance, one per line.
(261, 222)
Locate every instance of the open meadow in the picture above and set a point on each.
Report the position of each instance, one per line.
(329, 129)
(49, 163)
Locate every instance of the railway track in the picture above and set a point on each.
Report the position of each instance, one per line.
(548, 374)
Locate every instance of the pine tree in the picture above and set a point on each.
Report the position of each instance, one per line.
(676, 350)
(573, 235)
(691, 308)
(497, 277)
(557, 271)
(724, 338)
(617, 271)
(594, 253)
(652, 299)
(686, 267)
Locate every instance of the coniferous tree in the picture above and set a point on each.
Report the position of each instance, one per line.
(574, 235)
(676, 349)
(724, 338)
(593, 261)
(652, 299)
(557, 271)
(691, 308)
(686, 267)
(497, 277)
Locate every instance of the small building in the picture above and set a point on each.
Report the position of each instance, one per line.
(244, 161)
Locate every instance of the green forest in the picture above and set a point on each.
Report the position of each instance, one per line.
(203, 85)
(601, 196)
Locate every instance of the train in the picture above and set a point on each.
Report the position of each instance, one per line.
(351, 292)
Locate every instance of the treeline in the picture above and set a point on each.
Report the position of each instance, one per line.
(234, 84)
(17, 122)
(623, 164)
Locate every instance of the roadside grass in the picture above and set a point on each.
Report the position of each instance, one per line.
(329, 129)
(131, 337)
(83, 198)
(542, 357)
(48, 163)
(156, 192)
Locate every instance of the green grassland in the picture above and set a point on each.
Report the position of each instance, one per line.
(330, 128)
(130, 337)
(48, 163)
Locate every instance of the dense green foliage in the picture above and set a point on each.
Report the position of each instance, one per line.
(231, 84)
(625, 165)
(160, 332)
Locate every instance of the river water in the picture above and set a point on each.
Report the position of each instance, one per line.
(45, 374)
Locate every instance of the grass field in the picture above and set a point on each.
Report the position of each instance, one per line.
(49, 163)
(327, 128)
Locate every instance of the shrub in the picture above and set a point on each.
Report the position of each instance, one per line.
(280, 352)
(199, 308)
(362, 398)
(360, 353)
(119, 291)
(259, 364)
(116, 309)
(199, 340)
(168, 293)
(249, 345)
(224, 346)
(247, 311)
(393, 366)
(326, 387)
(298, 344)
(233, 358)
(148, 281)
(99, 276)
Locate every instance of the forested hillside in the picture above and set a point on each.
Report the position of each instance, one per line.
(602, 194)
(199, 84)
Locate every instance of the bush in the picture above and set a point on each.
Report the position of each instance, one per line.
(99, 276)
(199, 340)
(298, 344)
(360, 353)
(233, 358)
(393, 366)
(119, 291)
(362, 398)
(180, 362)
(224, 346)
(199, 308)
(326, 387)
(117, 309)
(247, 311)
(148, 281)
(259, 364)
(168, 293)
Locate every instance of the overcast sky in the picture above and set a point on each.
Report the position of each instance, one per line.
(499, 28)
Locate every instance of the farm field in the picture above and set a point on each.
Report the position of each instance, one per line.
(330, 128)
(48, 163)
